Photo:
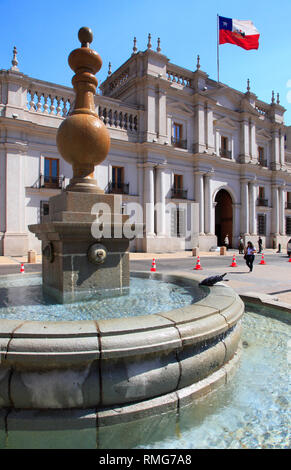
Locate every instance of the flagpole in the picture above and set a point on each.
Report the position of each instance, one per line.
(217, 48)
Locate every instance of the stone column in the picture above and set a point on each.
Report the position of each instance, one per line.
(199, 197)
(275, 154)
(162, 116)
(282, 148)
(140, 171)
(236, 223)
(217, 142)
(253, 145)
(275, 210)
(151, 114)
(199, 122)
(161, 200)
(15, 239)
(210, 133)
(245, 141)
(149, 200)
(207, 203)
(244, 219)
(282, 227)
(253, 212)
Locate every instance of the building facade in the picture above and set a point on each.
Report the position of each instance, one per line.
(199, 158)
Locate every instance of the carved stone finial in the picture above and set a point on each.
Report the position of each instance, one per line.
(198, 62)
(278, 98)
(134, 46)
(109, 69)
(14, 60)
(159, 45)
(248, 85)
(149, 45)
(82, 138)
(85, 36)
(273, 97)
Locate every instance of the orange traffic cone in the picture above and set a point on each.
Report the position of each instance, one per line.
(22, 268)
(262, 260)
(153, 268)
(198, 265)
(233, 264)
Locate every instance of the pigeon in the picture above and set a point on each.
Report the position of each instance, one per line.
(210, 281)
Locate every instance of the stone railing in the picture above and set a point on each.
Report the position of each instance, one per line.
(178, 75)
(58, 101)
(44, 98)
(262, 109)
(118, 117)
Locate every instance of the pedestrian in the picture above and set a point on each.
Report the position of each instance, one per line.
(241, 245)
(260, 243)
(226, 241)
(250, 255)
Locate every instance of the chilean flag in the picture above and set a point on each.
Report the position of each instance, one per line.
(239, 32)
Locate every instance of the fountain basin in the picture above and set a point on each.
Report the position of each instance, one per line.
(140, 365)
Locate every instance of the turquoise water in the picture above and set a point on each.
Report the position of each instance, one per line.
(22, 298)
(252, 410)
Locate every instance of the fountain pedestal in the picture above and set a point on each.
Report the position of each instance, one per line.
(75, 264)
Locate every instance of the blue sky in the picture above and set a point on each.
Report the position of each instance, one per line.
(45, 32)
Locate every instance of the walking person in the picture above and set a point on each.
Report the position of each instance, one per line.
(260, 243)
(250, 255)
(226, 241)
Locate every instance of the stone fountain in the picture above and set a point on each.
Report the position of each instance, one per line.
(75, 264)
(92, 373)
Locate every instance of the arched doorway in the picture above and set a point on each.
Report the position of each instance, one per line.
(223, 217)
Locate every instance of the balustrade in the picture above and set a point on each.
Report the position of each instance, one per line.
(46, 103)
(178, 78)
(118, 119)
(43, 102)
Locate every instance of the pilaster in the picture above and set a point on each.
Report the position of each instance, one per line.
(244, 220)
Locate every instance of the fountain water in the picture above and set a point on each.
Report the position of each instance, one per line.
(106, 370)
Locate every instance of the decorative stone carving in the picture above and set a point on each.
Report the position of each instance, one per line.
(97, 253)
(82, 138)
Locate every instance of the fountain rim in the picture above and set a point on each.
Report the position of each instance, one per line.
(219, 289)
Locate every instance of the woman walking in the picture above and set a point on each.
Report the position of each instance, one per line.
(250, 255)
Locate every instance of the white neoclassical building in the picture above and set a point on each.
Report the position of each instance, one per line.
(178, 140)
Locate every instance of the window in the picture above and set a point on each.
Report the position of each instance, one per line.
(117, 185)
(224, 152)
(117, 177)
(224, 143)
(178, 191)
(288, 202)
(261, 156)
(178, 228)
(51, 172)
(177, 132)
(177, 138)
(261, 201)
(178, 181)
(262, 224)
(288, 225)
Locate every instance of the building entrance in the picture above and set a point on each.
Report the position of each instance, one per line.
(223, 217)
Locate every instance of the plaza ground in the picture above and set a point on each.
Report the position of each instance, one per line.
(272, 278)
